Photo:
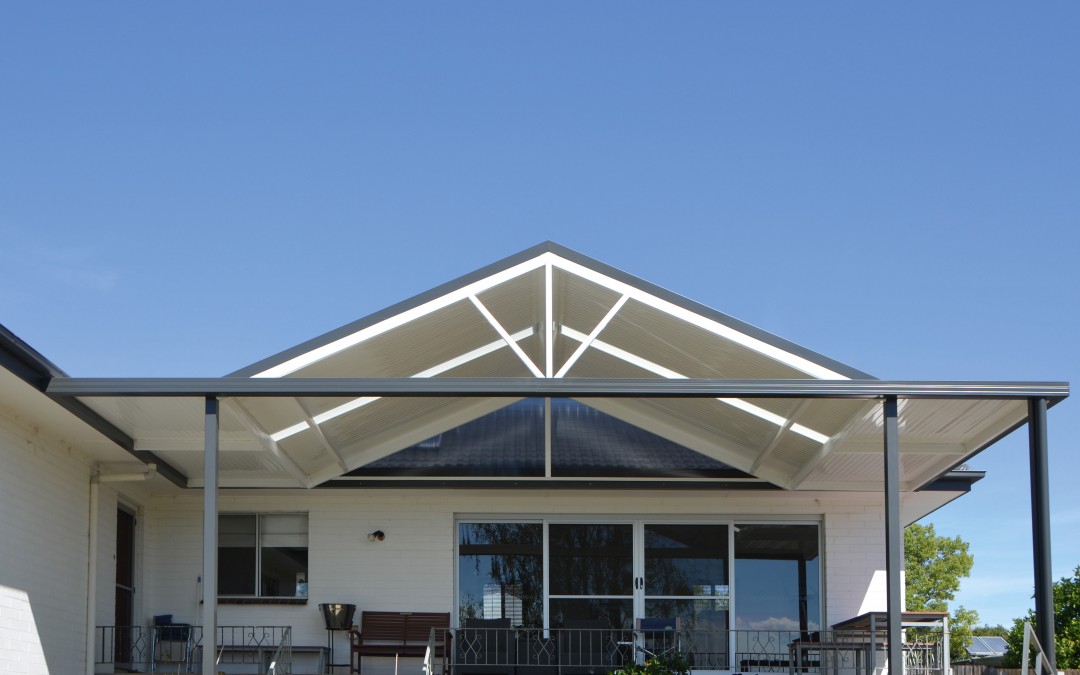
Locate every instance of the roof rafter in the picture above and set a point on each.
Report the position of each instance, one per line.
(310, 419)
(779, 435)
(287, 461)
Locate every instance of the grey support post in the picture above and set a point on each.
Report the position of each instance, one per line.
(894, 537)
(1040, 528)
(210, 537)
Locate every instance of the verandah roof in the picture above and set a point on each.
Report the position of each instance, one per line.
(550, 322)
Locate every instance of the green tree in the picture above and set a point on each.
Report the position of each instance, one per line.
(1066, 626)
(935, 566)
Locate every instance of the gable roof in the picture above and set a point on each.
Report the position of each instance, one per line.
(552, 315)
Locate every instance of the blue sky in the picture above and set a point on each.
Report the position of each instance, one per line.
(187, 188)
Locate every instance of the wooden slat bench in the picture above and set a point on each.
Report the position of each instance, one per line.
(396, 634)
(261, 655)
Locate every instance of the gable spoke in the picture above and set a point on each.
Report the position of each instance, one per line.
(506, 336)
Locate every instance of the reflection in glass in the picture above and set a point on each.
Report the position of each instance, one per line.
(777, 574)
(591, 559)
(686, 560)
(592, 613)
(703, 625)
(237, 555)
(283, 552)
(500, 572)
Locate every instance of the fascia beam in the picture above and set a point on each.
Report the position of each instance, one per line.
(521, 387)
(290, 465)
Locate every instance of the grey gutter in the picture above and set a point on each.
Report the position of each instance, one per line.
(32, 367)
(517, 387)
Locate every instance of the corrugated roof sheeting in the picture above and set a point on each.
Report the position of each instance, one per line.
(868, 467)
(793, 450)
(411, 348)
(969, 422)
(518, 305)
(687, 349)
(594, 363)
(579, 303)
(307, 450)
(150, 416)
(827, 416)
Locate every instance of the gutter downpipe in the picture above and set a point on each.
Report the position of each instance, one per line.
(91, 574)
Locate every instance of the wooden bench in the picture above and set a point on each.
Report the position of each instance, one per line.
(261, 655)
(397, 634)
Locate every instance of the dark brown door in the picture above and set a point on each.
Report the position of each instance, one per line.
(125, 585)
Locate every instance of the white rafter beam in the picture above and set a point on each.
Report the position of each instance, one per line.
(317, 428)
(588, 341)
(549, 321)
(779, 435)
(286, 460)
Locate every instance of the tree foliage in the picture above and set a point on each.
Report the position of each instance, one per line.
(1066, 626)
(935, 565)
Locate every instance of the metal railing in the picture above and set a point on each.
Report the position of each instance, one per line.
(125, 646)
(178, 648)
(592, 651)
(281, 659)
(1031, 643)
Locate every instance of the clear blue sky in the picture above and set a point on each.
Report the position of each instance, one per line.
(186, 188)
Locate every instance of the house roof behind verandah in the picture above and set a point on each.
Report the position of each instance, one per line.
(551, 322)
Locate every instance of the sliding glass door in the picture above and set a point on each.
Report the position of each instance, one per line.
(650, 576)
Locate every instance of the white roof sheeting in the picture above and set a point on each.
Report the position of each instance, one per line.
(550, 312)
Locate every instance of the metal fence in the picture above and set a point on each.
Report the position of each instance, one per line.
(178, 648)
(593, 651)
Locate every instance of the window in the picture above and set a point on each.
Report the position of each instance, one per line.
(263, 555)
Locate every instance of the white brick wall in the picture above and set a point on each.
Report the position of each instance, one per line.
(414, 567)
(44, 497)
(44, 494)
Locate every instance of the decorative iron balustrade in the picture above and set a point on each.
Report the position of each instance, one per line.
(178, 648)
(594, 651)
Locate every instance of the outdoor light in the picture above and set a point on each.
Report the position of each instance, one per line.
(377, 535)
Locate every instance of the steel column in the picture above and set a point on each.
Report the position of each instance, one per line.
(894, 541)
(1040, 528)
(210, 537)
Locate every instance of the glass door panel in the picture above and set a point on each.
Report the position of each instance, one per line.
(591, 575)
(686, 577)
(500, 572)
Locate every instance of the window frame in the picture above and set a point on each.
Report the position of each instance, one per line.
(257, 596)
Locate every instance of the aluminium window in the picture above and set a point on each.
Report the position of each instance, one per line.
(262, 555)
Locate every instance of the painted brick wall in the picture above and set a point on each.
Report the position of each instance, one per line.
(44, 496)
(855, 573)
(413, 568)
